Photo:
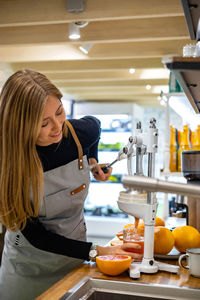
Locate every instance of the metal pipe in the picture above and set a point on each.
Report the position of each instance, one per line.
(155, 185)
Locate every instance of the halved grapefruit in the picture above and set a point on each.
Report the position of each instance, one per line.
(113, 264)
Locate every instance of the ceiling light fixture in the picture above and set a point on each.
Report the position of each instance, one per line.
(131, 70)
(86, 47)
(148, 87)
(74, 29)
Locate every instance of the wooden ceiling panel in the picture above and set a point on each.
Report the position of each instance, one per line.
(123, 34)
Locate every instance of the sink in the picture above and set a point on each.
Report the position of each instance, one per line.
(102, 289)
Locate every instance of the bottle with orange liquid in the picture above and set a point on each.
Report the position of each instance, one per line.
(192, 138)
(173, 150)
(196, 143)
(184, 144)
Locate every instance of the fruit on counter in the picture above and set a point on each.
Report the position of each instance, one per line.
(120, 235)
(116, 242)
(186, 237)
(140, 228)
(159, 222)
(113, 265)
(163, 240)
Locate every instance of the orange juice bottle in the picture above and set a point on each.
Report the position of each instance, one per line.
(196, 144)
(192, 138)
(184, 144)
(173, 150)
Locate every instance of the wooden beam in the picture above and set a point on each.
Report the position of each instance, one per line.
(89, 65)
(168, 28)
(28, 12)
(99, 51)
(108, 75)
(144, 103)
(105, 92)
(111, 84)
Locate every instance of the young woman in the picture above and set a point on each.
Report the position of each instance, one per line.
(44, 179)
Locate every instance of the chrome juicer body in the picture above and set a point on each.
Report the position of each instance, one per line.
(139, 145)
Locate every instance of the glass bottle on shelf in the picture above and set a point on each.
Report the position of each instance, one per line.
(192, 138)
(173, 150)
(184, 144)
(196, 145)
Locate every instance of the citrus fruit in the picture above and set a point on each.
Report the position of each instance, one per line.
(128, 225)
(140, 227)
(186, 237)
(159, 222)
(113, 264)
(120, 235)
(163, 240)
(116, 243)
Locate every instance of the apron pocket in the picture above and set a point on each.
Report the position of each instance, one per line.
(57, 204)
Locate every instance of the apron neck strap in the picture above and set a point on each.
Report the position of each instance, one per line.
(80, 150)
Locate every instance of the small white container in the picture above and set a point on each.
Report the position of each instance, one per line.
(190, 50)
(198, 49)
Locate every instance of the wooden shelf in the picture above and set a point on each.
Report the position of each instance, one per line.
(187, 72)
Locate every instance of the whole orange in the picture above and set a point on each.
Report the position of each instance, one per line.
(113, 264)
(163, 240)
(159, 222)
(186, 237)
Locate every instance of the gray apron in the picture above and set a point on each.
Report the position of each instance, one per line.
(26, 271)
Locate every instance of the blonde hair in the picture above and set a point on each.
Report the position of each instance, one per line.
(22, 102)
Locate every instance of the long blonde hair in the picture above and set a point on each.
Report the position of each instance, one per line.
(22, 102)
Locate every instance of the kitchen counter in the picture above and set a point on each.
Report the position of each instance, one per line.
(90, 269)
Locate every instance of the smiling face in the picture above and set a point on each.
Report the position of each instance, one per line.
(53, 120)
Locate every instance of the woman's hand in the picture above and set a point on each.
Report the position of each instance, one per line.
(97, 172)
(121, 250)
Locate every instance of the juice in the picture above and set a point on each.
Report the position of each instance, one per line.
(137, 240)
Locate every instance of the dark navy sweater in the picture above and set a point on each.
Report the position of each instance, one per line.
(53, 156)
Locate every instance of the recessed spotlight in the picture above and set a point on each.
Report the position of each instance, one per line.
(162, 102)
(148, 87)
(131, 70)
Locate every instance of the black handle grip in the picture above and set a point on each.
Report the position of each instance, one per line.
(105, 169)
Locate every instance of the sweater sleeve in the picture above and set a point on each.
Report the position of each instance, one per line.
(43, 239)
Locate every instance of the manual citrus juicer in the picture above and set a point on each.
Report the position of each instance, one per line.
(139, 145)
(128, 201)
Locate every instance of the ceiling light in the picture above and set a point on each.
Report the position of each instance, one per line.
(162, 102)
(86, 48)
(74, 31)
(131, 70)
(148, 87)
